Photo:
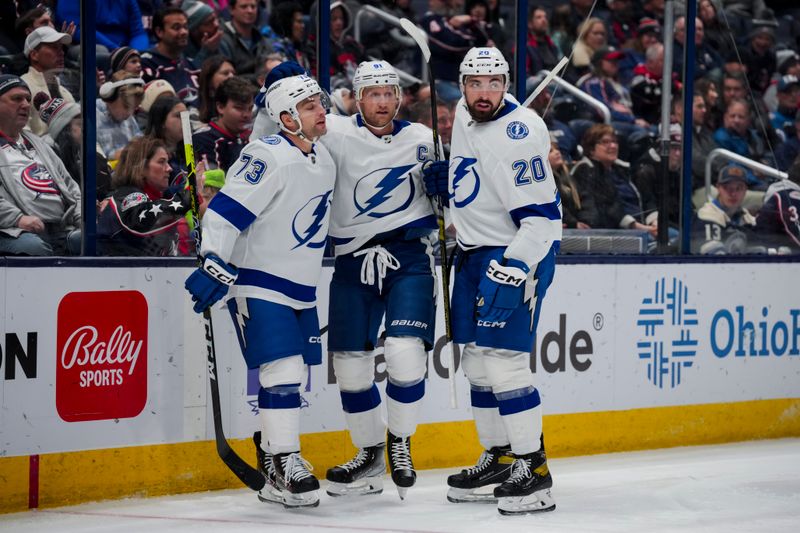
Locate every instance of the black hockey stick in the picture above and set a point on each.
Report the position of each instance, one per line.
(249, 475)
(422, 43)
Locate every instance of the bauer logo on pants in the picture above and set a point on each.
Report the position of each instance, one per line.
(101, 350)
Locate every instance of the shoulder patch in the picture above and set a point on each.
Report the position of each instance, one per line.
(133, 199)
(517, 130)
(270, 139)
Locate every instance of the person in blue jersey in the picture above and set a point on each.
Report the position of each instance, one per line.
(382, 226)
(506, 210)
(264, 235)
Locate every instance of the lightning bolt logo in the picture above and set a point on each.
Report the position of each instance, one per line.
(393, 179)
(319, 219)
(465, 167)
(530, 297)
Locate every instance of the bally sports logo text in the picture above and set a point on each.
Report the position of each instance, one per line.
(101, 371)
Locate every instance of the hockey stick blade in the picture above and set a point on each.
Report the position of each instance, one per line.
(419, 37)
(545, 82)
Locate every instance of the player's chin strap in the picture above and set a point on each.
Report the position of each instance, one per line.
(376, 258)
(299, 132)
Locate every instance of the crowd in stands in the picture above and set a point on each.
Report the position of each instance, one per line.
(159, 58)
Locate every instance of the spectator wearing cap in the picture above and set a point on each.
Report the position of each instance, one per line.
(787, 153)
(603, 84)
(44, 48)
(707, 60)
(167, 61)
(788, 94)
(127, 59)
(242, 43)
(116, 126)
(646, 85)
(64, 130)
(648, 33)
(40, 205)
(542, 51)
(622, 25)
(788, 63)
(722, 225)
(205, 34)
(759, 58)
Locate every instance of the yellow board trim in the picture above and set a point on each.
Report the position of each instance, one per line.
(78, 477)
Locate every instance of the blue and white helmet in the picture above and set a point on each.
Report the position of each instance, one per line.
(483, 61)
(375, 74)
(284, 95)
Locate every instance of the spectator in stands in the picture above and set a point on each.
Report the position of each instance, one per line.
(591, 38)
(346, 53)
(787, 153)
(707, 61)
(287, 22)
(116, 125)
(702, 141)
(733, 88)
(647, 34)
(166, 61)
(622, 23)
(603, 84)
(205, 34)
(139, 219)
(788, 64)
(216, 69)
(542, 51)
(648, 177)
(421, 112)
(563, 133)
(64, 131)
(563, 32)
(777, 222)
(44, 48)
(717, 36)
(653, 9)
(788, 93)
(646, 85)
(164, 123)
(117, 22)
(40, 205)
(567, 189)
(219, 145)
(722, 225)
(480, 25)
(759, 58)
(390, 43)
(608, 197)
(580, 10)
(154, 90)
(127, 59)
(242, 43)
(737, 136)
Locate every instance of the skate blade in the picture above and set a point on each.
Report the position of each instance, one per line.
(302, 499)
(270, 494)
(402, 491)
(361, 487)
(538, 502)
(455, 495)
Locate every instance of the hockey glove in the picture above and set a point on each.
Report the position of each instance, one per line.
(210, 282)
(434, 179)
(501, 291)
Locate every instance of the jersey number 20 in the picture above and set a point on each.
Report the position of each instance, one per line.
(528, 171)
(256, 168)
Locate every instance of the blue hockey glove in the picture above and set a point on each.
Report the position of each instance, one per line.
(210, 282)
(434, 179)
(501, 290)
(284, 70)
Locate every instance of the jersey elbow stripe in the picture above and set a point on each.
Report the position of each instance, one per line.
(265, 280)
(549, 211)
(232, 211)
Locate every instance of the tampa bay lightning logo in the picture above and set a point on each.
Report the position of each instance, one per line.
(310, 220)
(384, 191)
(270, 139)
(466, 182)
(517, 130)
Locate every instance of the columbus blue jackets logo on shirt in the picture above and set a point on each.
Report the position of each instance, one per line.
(466, 182)
(517, 130)
(38, 179)
(384, 191)
(310, 223)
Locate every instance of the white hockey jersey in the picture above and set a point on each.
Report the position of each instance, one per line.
(378, 180)
(271, 220)
(499, 177)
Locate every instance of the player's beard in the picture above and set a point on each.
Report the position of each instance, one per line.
(481, 116)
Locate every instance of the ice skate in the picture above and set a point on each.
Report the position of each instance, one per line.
(476, 484)
(528, 488)
(270, 492)
(403, 473)
(360, 476)
(295, 483)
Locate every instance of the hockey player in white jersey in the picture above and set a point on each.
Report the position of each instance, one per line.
(264, 235)
(381, 225)
(507, 214)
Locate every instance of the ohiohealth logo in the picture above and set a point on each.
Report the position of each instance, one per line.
(668, 324)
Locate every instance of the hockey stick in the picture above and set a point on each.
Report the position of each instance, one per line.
(545, 82)
(422, 43)
(249, 475)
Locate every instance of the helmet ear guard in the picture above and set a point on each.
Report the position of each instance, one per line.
(483, 61)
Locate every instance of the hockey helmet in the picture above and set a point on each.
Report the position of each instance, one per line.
(284, 95)
(483, 61)
(375, 74)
